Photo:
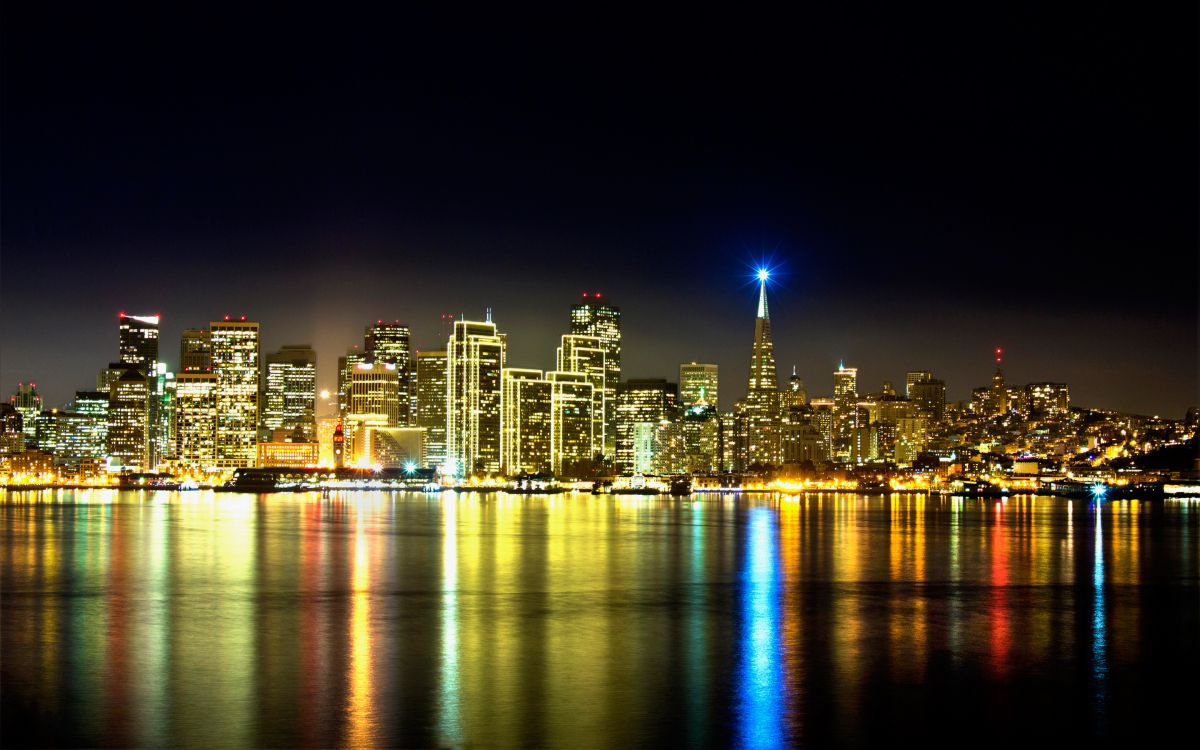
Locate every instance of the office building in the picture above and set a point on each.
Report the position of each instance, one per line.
(762, 394)
(698, 382)
(795, 396)
(431, 404)
(290, 396)
(346, 367)
(912, 377)
(391, 343)
(586, 355)
(28, 404)
(474, 359)
(929, 396)
(235, 362)
(642, 406)
(139, 342)
(374, 389)
(525, 422)
(93, 407)
(700, 427)
(572, 448)
(1048, 399)
(596, 316)
(195, 350)
(129, 421)
(196, 419)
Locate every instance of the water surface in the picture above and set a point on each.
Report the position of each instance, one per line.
(488, 620)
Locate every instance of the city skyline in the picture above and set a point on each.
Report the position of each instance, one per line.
(58, 384)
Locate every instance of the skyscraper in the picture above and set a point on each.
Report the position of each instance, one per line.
(129, 421)
(762, 395)
(196, 419)
(28, 403)
(474, 359)
(525, 422)
(594, 316)
(795, 396)
(235, 357)
(642, 406)
(195, 350)
(431, 404)
(929, 396)
(698, 382)
(845, 399)
(139, 341)
(586, 355)
(346, 367)
(912, 377)
(572, 447)
(290, 397)
(374, 389)
(390, 342)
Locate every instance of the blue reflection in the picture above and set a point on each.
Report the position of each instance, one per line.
(1099, 624)
(760, 665)
(697, 682)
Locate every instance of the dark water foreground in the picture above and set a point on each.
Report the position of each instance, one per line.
(201, 620)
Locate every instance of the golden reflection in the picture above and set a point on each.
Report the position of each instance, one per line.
(361, 710)
(449, 713)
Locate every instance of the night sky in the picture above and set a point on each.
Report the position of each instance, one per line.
(927, 184)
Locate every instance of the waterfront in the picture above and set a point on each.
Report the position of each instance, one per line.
(490, 620)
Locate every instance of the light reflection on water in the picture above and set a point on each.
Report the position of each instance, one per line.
(221, 620)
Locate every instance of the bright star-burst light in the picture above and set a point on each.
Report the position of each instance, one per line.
(763, 274)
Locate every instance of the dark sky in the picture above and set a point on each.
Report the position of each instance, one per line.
(928, 183)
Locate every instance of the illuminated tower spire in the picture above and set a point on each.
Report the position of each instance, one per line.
(762, 395)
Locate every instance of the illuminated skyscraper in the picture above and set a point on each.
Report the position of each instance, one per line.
(701, 430)
(929, 396)
(28, 404)
(139, 342)
(1048, 399)
(431, 404)
(596, 317)
(845, 399)
(374, 389)
(390, 342)
(795, 396)
(912, 377)
(196, 419)
(525, 422)
(474, 359)
(235, 362)
(93, 405)
(572, 447)
(586, 355)
(129, 421)
(12, 431)
(290, 398)
(998, 396)
(195, 351)
(762, 395)
(346, 367)
(698, 382)
(642, 407)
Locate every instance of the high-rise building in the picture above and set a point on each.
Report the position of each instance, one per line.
(595, 316)
(823, 418)
(391, 343)
(474, 359)
(290, 397)
(374, 389)
(195, 350)
(93, 406)
(762, 395)
(129, 421)
(346, 367)
(929, 396)
(235, 362)
(642, 406)
(525, 422)
(913, 377)
(572, 447)
(431, 404)
(12, 432)
(998, 395)
(701, 430)
(196, 419)
(28, 404)
(139, 342)
(586, 355)
(845, 400)
(795, 396)
(162, 412)
(698, 382)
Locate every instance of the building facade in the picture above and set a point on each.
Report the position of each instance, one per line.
(235, 362)
(474, 360)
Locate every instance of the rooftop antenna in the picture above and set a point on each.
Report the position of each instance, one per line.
(489, 315)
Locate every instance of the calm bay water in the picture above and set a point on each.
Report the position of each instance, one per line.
(403, 619)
